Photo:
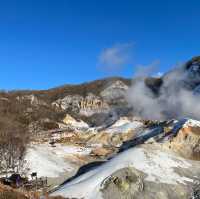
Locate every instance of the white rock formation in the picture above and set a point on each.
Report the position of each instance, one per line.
(115, 91)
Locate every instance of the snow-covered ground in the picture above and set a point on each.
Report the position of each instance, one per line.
(192, 123)
(157, 165)
(123, 125)
(50, 161)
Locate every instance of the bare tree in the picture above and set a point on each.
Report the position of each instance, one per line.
(13, 142)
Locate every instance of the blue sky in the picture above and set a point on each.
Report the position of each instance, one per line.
(47, 43)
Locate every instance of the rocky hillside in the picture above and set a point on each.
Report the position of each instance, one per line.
(94, 102)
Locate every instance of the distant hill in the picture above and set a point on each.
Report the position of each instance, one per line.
(98, 102)
(46, 108)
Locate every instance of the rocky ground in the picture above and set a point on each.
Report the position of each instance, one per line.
(71, 150)
(154, 169)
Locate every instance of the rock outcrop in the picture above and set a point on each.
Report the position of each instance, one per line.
(187, 141)
(130, 183)
(70, 121)
(82, 105)
(111, 96)
(92, 104)
(69, 102)
(115, 93)
(124, 183)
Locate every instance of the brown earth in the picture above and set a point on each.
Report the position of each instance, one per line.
(187, 142)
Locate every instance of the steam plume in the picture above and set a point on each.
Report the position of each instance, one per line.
(177, 96)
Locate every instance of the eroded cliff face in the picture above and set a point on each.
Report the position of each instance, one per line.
(187, 141)
(93, 104)
(68, 102)
(115, 93)
(112, 96)
(82, 105)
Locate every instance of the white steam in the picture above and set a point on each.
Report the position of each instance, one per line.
(177, 97)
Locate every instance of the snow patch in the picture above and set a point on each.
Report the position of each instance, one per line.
(50, 161)
(157, 165)
(124, 125)
(192, 123)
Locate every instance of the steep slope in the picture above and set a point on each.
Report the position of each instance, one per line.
(151, 167)
(147, 171)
